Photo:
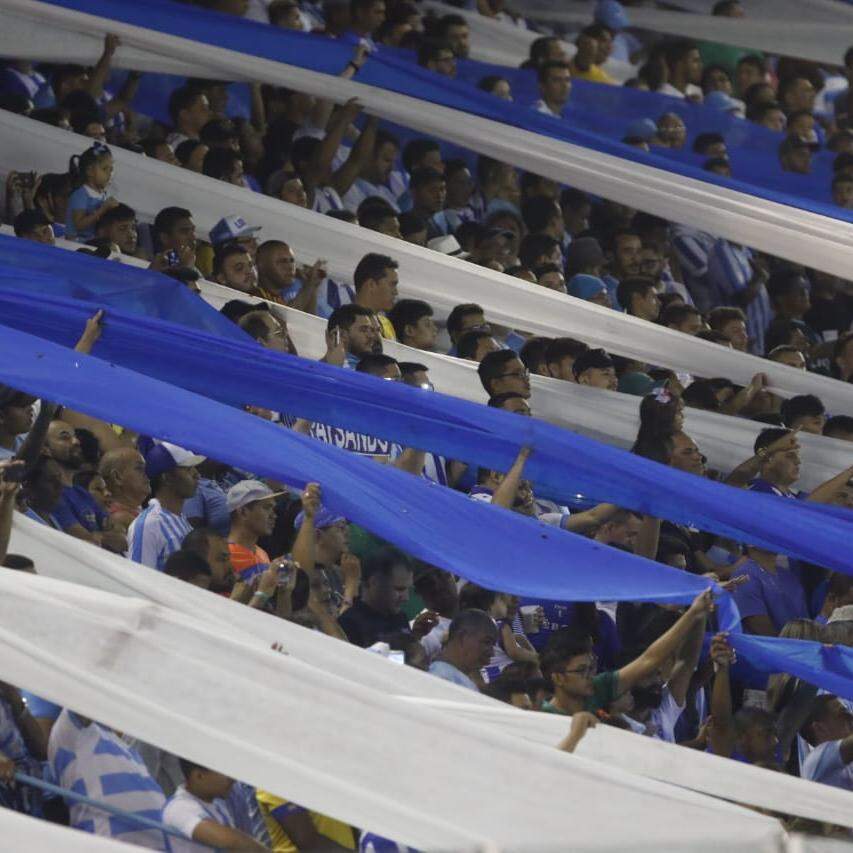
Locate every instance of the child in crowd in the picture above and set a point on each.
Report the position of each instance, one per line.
(91, 172)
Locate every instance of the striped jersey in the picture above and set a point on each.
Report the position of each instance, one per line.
(91, 760)
(156, 533)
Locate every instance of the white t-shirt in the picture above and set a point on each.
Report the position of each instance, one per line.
(433, 642)
(690, 92)
(824, 764)
(666, 716)
(184, 812)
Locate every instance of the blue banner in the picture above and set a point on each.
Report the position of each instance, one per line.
(563, 463)
(485, 544)
(589, 123)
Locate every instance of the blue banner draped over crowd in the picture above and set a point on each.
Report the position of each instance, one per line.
(501, 549)
(431, 522)
(27, 267)
(587, 124)
(564, 463)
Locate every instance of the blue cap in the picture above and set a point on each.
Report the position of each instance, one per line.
(644, 128)
(612, 14)
(323, 518)
(231, 228)
(586, 286)
(163, 456)
(720, 101)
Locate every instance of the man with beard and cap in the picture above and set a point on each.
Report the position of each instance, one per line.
(160, 528)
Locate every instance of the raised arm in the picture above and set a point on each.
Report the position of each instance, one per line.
(305, 546)
(506, 492)
(580, 522)
(361, 152)
(687, 657)
(827, 492)
(665, 646)
(101, 71)
(722, 735)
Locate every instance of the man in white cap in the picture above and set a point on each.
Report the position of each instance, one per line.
(253, 515)
(160, 528)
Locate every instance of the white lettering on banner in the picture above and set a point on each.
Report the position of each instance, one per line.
(355, 442)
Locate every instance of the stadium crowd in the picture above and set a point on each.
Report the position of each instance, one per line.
(634, 666)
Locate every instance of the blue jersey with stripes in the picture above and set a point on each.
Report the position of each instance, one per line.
(155, 534)
(92, 760)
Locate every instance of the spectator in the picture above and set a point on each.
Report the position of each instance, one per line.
(684, 65)
(595, 368)
(568, 663)
(804, 412)
(87, 758)
(91, 172)
(199, 810)
(795, 154)
(497, 86)
(413, 324)
(386, 581)
(233, 267)
(253, 515)
(555, 86)
(161, 527)
(683, 318)
(730, 322)
(428, 193)
(351, 334)
(560, 357)
(476, 345)
(124, 473)
(829, 731)
(34, 225)
(375, 281)
(454, 31)
(503, 372)
(639, 298)
(119, 226)
(471, 638)
(190, 111)
(437, 56)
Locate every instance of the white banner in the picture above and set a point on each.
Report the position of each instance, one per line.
(149, 185)
(803, 30)
(62, 557)
(602, 415)
(816, 241)
(332, 745)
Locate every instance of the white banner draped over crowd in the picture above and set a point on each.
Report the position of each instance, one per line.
(798, 235)
(148, 185)
(63, 558)
(274, 722)
(821, 33)
(603, 415)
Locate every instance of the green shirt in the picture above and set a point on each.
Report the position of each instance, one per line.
(605, 689)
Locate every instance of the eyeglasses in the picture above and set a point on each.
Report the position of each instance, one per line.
(586, 672)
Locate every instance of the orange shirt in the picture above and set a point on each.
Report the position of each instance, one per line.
(248, 562)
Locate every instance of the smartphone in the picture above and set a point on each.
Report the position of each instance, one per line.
(336, 336)
(173, 258)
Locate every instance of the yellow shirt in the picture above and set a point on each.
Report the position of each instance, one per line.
(594, 74)
(335, 830)
(387, 328)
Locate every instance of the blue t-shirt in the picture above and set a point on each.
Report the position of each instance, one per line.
(778, 596)
(448, 672)
(209, 504)
(77, 506)
(825, 764)
(763, 486)
(87, 200)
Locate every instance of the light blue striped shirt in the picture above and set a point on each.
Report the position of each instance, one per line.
(93, 761)
(729, 273)
(155, 534)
